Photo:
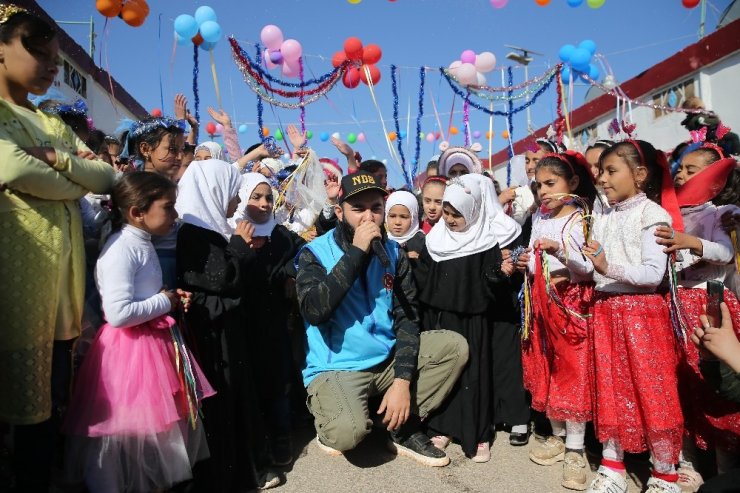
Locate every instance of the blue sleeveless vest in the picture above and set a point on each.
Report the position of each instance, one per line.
(359, 334)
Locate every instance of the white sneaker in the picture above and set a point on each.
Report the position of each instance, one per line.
(441, 441)
(689, 480)
(608, 481)
(657, 485)
(548, 452)
(327, 449)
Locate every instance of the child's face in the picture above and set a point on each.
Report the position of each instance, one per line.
(202, 155)
(31, 70)
(399, 220)
(454, 220)
(592, 156)
(166, 158)
(259, 205)
(691, 164)
(432, 201)
(552, 188)
(458, 170)
(233, 205)
(618, 180)
(159, 219)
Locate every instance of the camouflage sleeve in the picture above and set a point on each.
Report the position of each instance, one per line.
(320, 293)
(405, 320)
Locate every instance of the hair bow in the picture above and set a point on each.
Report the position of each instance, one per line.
(698, 136)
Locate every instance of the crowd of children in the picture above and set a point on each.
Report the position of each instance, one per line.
(582, 296)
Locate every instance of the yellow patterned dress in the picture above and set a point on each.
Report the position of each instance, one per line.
(42, 266)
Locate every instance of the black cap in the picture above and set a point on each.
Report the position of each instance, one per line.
(357, 183)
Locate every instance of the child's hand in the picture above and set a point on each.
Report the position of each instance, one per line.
(89, 155)
(675, 240)
(173, 297)
(45, 154)
(185, 299)
(181, 105)
(332, 187)
(413, 255)
(547, 245)
(296, 138)
(245, 229)
(595, 253)
(220, 116)
(523, 260)
(342, 147)
(507, 195)
(507, 267)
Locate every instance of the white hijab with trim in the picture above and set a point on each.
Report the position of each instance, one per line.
(214, 148)
(204, 193)
(409, 201)
(506, 228)
(250, 181)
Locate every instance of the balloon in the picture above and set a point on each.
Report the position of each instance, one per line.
(292, 69)
(133, 13)
(271, 36)
(421, 135)
(566, 51)
(438, 135)
(197, 39)
(278, 134)
(360, 137)
(476, 134)
(565, 74)
(371, 54)
(291, 50)
(351, 138)
(505, 134)
(204, 14)
(324, 136)
(339, 58)
(542, 3)
(392, 136)
(353, 48)
(499, 4)
(309, 134)
(489, 134)
(109, 8)
(588, 45)
(690, 4)
(480, 79)
(575, 3)
(219, 128)
(466, 74)
(186, 26)
(430, 137)
(580, 59)
(211, 31)
(156, 113)
(374, 74)
(351, 77)
(207, 46)
(485, 62)
(402, 134)
(275, 57)
(593, 72)
(467, 56)
(336, 135)
(453, 68)
(454, 130)
(265, 131)
(597, 4)
(354, 2)
(182, 41)
(242, 129)
(211, 128)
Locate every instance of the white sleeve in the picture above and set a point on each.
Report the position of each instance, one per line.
(115, 271)
(521, 204)
(718, 249)
(576, 261)
(654, 262)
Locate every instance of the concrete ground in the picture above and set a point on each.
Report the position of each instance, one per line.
(372, 468)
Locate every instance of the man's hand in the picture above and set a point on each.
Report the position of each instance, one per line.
(396, 404)
(365, 234)
(220, 116)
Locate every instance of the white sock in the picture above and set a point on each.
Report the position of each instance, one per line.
(558, 427)
(519, 428)
(574, 440)
(663, 468)
(612, 451)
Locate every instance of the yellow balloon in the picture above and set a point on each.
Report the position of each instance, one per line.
(354, 2)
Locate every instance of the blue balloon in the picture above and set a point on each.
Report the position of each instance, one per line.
(593, 72)
(588, 45)
(211, 31)
(205, 13)
(242, 129)
(575, 3)
(566, 52)
(186, 26)
(324, 136)
(580, 59)
(207, 46)
(402, 134)
(565, 74)
(182, 41)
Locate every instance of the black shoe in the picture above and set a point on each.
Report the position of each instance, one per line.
(282, 450)
(419, 447)
(519, 439)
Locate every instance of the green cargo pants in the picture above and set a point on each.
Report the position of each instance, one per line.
(338, 399)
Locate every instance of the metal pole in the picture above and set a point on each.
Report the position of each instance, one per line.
(529, 111)
(703, 18)
(91, 41)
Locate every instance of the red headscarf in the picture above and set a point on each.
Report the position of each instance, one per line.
(706, 184)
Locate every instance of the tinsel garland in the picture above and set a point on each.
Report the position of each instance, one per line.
(419, 115)
(482, 91)
(399, 137)
(196, 96)
(560, 122)
(535, 81)
(260, 124)
(466, 118)
(303, 107)
(510, 125)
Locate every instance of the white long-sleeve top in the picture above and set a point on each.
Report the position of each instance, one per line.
(716, 262)
(129, 279)
(522, 204)
(626, 231)
(568, 260)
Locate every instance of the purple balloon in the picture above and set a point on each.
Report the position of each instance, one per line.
(476, 134)
(276, 57)
(467, 56)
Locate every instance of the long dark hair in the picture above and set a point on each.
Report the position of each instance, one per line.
(137, 189)
(574, 167)
(638, 153)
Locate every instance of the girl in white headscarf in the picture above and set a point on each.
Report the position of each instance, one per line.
(457, 279)
(402, 222)
(209, 150)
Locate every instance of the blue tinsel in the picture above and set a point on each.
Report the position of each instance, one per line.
(510, 121)
(196, 96)
(399, 137)
(419, 115)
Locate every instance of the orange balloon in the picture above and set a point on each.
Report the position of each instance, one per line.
(392, 136)
(489, 134)
(133, 14)
(454, 131)
(505, 134)
(542, 3)
(109, 8)
(265, 131)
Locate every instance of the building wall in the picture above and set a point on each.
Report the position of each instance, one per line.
(723, 87)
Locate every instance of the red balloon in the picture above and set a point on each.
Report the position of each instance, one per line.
(690, 4)
(353, 49)
(211, 128)
(339, 58)
(156, 112)
(352, 77)
(374, 74)
(371, 54)
(197, 40)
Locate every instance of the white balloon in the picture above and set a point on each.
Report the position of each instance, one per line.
(481, 79)
(485, 62)
(466, 74)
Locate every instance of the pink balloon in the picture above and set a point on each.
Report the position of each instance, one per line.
(291, 50)
(360, 137)
(466, 74)
(272, 37)
(467, 56)
(499, 4)
(430, 137)
(291, 69)
(266, 58)
(485, 61)
(480, 79)
(219, 128)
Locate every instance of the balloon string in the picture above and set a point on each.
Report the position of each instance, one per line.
(391, 151)
(215, 79)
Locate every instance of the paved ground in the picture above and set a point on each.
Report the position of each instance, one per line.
(371, 468)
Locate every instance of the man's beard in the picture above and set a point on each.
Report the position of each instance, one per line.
(348, 232)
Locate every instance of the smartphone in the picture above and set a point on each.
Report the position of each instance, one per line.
(715, 296)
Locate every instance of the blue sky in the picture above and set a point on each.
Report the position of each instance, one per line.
(632, 34)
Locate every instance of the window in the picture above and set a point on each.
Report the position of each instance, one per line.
(74, 79)
(674, 97)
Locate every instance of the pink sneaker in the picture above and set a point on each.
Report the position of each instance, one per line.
(483, 454)
(441, 441)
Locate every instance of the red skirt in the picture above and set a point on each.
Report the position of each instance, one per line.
(711, 421)
(556, 359)
(635, 358)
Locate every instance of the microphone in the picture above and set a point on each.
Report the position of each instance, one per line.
(380, 252)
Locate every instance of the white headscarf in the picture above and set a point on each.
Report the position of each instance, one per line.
(213, 148)
(465, 195)
(249, 183)
(506, 228)
(408, 200)
(204, 193)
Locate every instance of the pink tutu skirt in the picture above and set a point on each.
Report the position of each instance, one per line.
(129, 423)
